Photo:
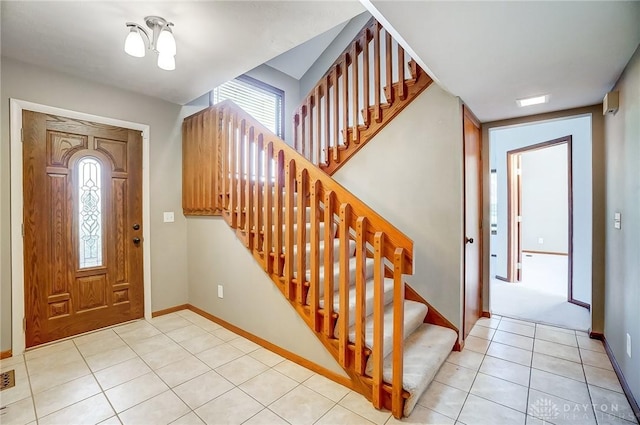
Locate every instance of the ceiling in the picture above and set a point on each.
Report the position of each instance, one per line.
(217, 40)
(492, 53)
(297, 61)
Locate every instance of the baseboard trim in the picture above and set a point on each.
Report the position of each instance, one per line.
(616, 367)
(580, 304)
(504, 279)
(5, 354)
(486, 314)
(276, 349)
(170, 310)
(545, 252)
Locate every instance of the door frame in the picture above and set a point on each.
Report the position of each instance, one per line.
(513, 274)
(16, 106)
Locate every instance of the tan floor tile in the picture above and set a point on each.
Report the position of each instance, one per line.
(596, 359)
(301, 406)
(482, 332)
(556, 350)
(142, 330)
(181, 371)
(244, 345)
(268, 386)
(241, 370)
(133, 326)
(506, 370)
(11, 361)
(161, 409)
(518, 321)
(58, 375)
(204, 323)
(169, 322)
(121, 373)
(501, 392)
(559, 386)
(611, 402)
(466, 358)
(109, 358)
(456, 376)
(161, 358)
(186, 333)
(219, 355)
(421, 416)
(360, 405)
(514, 340)
(154, 343)
(56, 357)
(558, 411)
(108, 340)
(512, 354)
(224, 334)
(135, 391)
(114, 420)
(189, 419)
(488, 322)
(21, 390)
(443, 399)
(555, 329)
(602, 378)
(267, 357)
(201, 343)
(293, 370)
(92, 410)
(479, 345)
(517, 328)
(266, 417)
(586, 343)
(557, 337)
(340, 415)
(609, 419)
(48, 350)
(20, 412)
(328, 388)
(559, 366)
(233, 407)
(477, 410)
(65, 395)
(202, 389)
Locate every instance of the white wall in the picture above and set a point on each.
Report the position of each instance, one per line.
(411, 174)
(168, 240)
(545, 203)
(622, 286)
(504, 139)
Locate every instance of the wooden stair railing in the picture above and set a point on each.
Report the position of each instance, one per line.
(366, 87)
(278, 202)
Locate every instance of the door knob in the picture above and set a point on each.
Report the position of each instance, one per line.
(468, 240)
(136, 240)
(136, 226)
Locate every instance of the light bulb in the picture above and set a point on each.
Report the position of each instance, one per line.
(166, 44)
(166, 62)
(134, 44)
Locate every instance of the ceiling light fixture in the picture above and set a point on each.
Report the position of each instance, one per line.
(160, 40)
(529, 101)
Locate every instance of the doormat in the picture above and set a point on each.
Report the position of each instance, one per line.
(7, 379)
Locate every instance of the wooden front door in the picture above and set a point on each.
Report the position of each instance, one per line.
(82, 226)
(472, 221)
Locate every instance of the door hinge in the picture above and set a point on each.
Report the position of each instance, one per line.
(22, 226)
(519, 219)
(519, 266)
(518, 171)
(24, 324)
(22, 135)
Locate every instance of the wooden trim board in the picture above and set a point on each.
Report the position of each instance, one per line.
(616, 367)
(5, 354)
(170, 310)
(545, 252)
(486, 314)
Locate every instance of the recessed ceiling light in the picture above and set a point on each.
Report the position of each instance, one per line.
(536, 100)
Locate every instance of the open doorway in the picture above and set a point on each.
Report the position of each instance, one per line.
(541, 222)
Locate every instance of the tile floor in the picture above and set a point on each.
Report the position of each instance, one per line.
(184, 369)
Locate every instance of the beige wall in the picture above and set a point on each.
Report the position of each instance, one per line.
(411, 174)
(168, 240)
(622, 292)
(598, 198)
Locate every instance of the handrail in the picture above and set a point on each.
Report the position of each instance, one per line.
(265, 189)
(367, 85)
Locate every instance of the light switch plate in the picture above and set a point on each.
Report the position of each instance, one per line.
(220, 292)
(540, 241)
(169, 217)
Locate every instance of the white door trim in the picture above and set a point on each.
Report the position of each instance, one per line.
(17, 249)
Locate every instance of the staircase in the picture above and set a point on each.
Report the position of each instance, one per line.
(366, 87)
(337, 262)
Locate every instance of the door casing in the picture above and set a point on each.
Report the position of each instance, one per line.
(17, 257)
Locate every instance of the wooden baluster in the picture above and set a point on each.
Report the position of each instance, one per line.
(302, 182)
(314, 270)
(249, 147)
(389, 63)
(214, 129)
(336, 109)
(402, 93)
(355, 134)
(311, 148)
(377, 82)
(303, 122)
(233, 160)
(289, 237)
(328, 262)
(365, 79)
(241, 174)
(327, 121)
(343, 315)
(378, 319)
(316, 125)
(224, 142)
(398, 333)
(345, 99)
(361, 267)
(258, 198)
(201, 181)
(277, 214)
(268, 210)
(296, 124)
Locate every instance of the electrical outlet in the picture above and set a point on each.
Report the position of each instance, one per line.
(220, 292)
(629, 345)
(168, 217)
(540, 241)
